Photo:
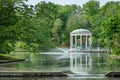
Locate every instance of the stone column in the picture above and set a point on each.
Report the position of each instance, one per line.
(81, 41)
(75, 41)
(80, 61)
(71, 62)
(86, 61)
(75, 61)
(90, 41)
(71, 41)
(86, 41)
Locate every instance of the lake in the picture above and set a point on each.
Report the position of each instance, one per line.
(51, 61)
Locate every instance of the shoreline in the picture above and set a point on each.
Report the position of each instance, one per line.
(32, 74)
(11, 61)
(114, 57)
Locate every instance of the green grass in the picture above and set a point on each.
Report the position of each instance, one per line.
(4, 58)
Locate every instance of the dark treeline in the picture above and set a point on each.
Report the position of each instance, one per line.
(47, 25)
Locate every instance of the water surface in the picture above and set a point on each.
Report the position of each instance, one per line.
(50, 61)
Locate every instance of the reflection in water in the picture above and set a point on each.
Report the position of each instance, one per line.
(51, 78)
(41, 62)
(38, 62)
(80, 63)
(54, 78)
(113, 78)
(84, 61)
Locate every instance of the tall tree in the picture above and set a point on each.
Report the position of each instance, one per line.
(8, 18)
(76, 21)
(11, 12)
(7, 12)
(57, 29)
(65, 11)
(111, 33)
(48, 11)
(110, 9)
(106, 11)
(90, 11)
(91, 8)
(34, 33)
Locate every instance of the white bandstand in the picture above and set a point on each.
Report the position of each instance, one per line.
(80, 62)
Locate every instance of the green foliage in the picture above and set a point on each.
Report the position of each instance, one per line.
(76, 21)
(57, 29)
(6, 12)
(47, 23)
(65, 11)
(111, 33)
(110, 9)
(57, 26)
(46, 10)
(8, 38)
(10, 11)
(8, 19)
(8, 57)
(91, 11)
(91, 8)
(34, 33)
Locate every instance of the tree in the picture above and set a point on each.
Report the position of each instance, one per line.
(65, 11)
(57, 29)
(48, 11)
(7, 12)
(8, 38)
(34, 33)
(12, 12)
(91, 11)
(76, 21)
(110, 9)
(91, 8)
(111, 33)
(8, 18)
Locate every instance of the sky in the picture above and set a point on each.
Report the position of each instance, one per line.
(64, 2)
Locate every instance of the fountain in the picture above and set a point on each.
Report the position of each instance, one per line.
(82, 56)
(66, 53)
(81, 51)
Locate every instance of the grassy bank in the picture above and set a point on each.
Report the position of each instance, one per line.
(4, 58)
(115, 56)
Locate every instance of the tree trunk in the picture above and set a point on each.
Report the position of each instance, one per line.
(59, 38)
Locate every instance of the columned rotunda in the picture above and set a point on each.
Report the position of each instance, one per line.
(80, 40)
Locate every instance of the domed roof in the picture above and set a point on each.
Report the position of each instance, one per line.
(80, 31)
